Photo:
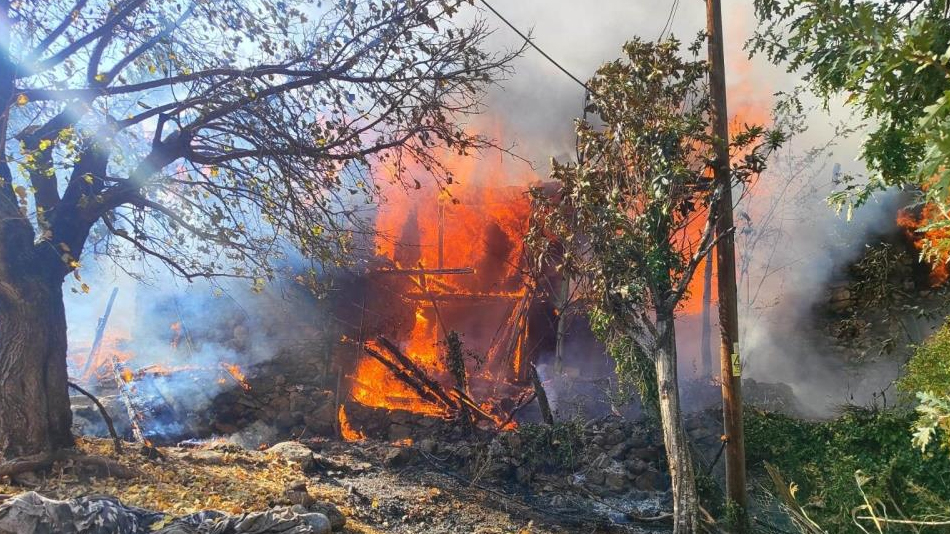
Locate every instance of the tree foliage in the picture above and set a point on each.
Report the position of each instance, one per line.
(927, 377)
(210, 135)
(631, 215)
(891, 61)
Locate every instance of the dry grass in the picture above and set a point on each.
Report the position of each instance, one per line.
(184, 483)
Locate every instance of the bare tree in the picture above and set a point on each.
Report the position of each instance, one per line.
(207, 136)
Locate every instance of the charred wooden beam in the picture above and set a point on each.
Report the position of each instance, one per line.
(416, 371)
(123, 380)
(526, 398)
(540, 394)
(464, 297)
(405, 377)
(100, 332)
(470, 404)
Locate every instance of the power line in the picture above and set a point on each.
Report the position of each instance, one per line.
(669, 20)
(536, 47)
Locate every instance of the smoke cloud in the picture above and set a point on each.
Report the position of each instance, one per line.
(533, 112)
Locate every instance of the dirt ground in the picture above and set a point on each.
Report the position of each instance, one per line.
(360, 479)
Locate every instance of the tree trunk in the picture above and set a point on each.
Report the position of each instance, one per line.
(35, 416)
(685, 499)
(706, 343)
(563, 295)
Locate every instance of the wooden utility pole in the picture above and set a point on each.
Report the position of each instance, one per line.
(726, 261)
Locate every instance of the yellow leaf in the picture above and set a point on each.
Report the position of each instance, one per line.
(88, 178)
(22, 100)
(100, 77)
(214, 171)
(45, 143)
(84, 287)
(152, 69)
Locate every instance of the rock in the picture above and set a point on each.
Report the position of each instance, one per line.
(398, 457)
(636, 466)
(319, 523)
(524, 475)
(840, 300)
(649, 454)
(299, 497)
(427, 445)
(618, 451)
(613, 438)
(615, 480)
(286, 419)
(638, 441)
(322, 420)
(651, 480)
(337, 519)
(294, 452)
(399, 432)
(596, 477)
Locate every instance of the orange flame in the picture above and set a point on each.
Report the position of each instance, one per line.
(235, 371)
(346, 431)
(176, 334)
(451, 228)
(912, 221)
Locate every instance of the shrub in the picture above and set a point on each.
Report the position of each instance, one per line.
(822, 458)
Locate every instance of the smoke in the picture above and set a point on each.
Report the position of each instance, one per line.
(804, 243)
(193, 337)
(533, 111)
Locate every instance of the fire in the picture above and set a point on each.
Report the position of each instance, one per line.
(176, 334)
(235, 371)
(346, 431)
(452, 249)
(912, 221)
(112, 346)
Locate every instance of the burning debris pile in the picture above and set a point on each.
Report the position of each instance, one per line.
(440, 331)
(445, 317)
(216, 370)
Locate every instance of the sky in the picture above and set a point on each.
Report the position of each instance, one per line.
(536, 105)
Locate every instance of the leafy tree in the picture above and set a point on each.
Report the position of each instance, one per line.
(630, 221)
(206, 135)
(892, 62)
(927, 376)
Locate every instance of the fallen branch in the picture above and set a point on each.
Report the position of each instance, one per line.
(26, 464)
(43, 461)
(116, 442)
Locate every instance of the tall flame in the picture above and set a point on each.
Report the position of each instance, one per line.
(466, 225)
